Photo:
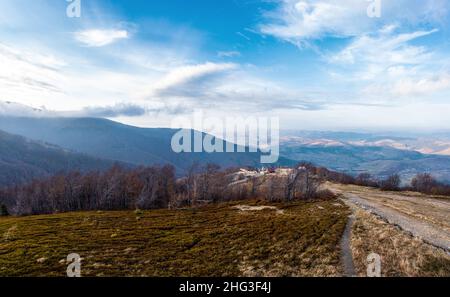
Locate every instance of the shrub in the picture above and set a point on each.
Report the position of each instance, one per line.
(4, 211)
(392, 183)
(424, 183)
(325, 195)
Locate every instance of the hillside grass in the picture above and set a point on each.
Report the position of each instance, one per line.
(297, 239)
(401, 254)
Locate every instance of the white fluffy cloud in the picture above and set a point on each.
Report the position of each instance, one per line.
(228, 54)
(226, 86)
(8, 108)
(24, 71)
(383, 52)
(377, 60)
(300, 21)
(188, 79)
(36, 77)
(384, 60)
(99, 38)
(296, 21)
(38, 80)
(423, 86)
(385, 48)
(394, 66)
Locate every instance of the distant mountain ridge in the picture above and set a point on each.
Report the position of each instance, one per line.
(353, 156)
(22, 160)
(351, 153)
(429, 143)
(111, 140)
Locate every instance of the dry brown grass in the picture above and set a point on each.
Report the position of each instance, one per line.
(419, 206)
(268, 239)
(401, 254)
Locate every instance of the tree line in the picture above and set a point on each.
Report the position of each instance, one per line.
(158, 187)
(118, 188)
(114, 189)
(152, 187)
(422, 182)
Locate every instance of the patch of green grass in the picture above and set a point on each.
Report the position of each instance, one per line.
(216, 240)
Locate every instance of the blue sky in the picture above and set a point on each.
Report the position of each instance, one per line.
(319, 64)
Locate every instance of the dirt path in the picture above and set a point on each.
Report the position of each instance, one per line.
(422, 216)
(346, 256)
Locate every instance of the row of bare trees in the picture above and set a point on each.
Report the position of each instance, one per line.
(426, 183)
(115, 189)
(151, 188)
(157, 187)
(422, 182)
(118, 188)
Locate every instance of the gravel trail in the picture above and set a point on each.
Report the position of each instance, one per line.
(346, 256)
(433, 234)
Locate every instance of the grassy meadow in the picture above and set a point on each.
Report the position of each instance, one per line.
(257, 239)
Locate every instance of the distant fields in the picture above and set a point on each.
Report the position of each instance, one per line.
(297, 239)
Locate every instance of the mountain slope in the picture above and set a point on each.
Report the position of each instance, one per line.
(377, 160)
(21, 160)
(111, 140)
(436, 143)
